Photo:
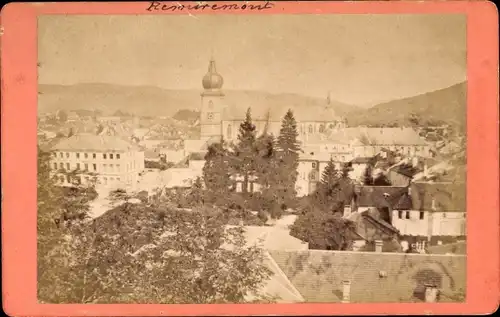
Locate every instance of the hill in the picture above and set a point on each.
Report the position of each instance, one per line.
(446, 105)
(155, 101)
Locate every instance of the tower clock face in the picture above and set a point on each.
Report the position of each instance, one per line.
(210, 116)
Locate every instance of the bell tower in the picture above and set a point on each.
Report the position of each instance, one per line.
(212, 103)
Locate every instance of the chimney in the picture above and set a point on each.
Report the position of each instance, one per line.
(378, 245)
(431, 293)
(346, 291)
(414, 162)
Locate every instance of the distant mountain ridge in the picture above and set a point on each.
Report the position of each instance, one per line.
(155, 101)
(447, 105)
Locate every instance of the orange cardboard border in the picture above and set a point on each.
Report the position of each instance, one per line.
(19, 138)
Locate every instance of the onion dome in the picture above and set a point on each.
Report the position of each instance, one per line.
(212, 80)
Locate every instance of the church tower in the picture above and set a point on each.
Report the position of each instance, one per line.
(212, 103)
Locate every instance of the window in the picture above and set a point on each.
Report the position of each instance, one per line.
(444, 215)
(87, 179)
(314, 165)
(94, 155)
(105, 180)
(310, 128)
(400, 214)
(67, 155)
(55, 166)
(61, 165)
(86, 167)
(61, 154)
(85, 155)
(111, 156)
(77, 166)
(105, 167)
(95, 167)
(61, 179)
(331, 126)
(229, 131)
(343, 158)
(67, 166)
(118, 167)
(77, 155)
(321, 128)
(407, 215)
(68, 178)
(421, 216)
(118, 179)
(117, 156)
(104, 155)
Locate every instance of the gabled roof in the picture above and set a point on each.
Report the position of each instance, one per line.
(318, 275)
(404, 203)
(447, 196)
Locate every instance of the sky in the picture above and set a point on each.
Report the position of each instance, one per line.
(358, 59)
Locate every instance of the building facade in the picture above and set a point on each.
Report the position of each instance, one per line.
(108, 160)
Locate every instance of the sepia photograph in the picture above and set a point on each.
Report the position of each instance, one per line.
(251, 158)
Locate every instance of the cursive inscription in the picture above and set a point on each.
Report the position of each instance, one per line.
(202, 6)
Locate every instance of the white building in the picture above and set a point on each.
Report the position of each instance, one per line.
(112, 161)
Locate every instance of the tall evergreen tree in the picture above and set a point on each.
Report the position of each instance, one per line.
(288, 159)
(265, 160)
(216, 172)
(245, 151)
(368, 175)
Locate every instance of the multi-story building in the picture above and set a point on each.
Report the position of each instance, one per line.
(109, 160)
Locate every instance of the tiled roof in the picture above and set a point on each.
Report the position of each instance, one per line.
(448, 196)
(404, 203)
(373, 196)
(318, 275)
(407, 170)
(90, 142)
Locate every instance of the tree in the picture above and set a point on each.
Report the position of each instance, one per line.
(323, 231)
(368, 175)
(60, 211)
(163, 255)
(197, 192)
(216, 173)
(245, 151)
(288, 159)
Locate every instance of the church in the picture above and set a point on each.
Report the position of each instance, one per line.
(219, 117)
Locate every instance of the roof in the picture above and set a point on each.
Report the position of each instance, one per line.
(448, 196)
(459, 247)
(318, 275)
(407, 170)
(404, 203)
(373, 196)
(365, 223)
(90, 142)
(274, 107)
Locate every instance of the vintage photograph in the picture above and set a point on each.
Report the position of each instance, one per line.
(219, 158)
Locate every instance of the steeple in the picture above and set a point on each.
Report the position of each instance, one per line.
(212, 80)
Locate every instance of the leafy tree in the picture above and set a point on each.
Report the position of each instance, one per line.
(323, 231)
(128, 256)
(197, 192)
(288, 149)
(245, 151)
(216, 173)
(59, 212)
